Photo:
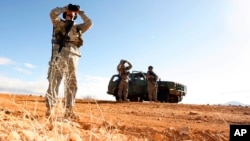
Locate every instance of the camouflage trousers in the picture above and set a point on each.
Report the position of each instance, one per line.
(152, 91)
(64, 66)
(123, 89)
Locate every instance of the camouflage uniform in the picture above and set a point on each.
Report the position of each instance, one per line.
(67, 61)
(124, 76)
(152, 84)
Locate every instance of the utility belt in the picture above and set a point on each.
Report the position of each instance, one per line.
(67, 43)
(69, 47)
(152, 83)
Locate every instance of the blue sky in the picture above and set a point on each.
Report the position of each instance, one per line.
(202, 44)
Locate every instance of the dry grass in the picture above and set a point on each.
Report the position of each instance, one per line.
(25, 125)
(22, 118)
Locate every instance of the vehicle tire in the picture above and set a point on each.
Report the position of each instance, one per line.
(133, 98)
(117, 98)
(141, 98)
(116, 95)
(180, 98)
(174, 99)
(163, 95)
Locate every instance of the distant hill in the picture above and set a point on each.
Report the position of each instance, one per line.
(235, 103)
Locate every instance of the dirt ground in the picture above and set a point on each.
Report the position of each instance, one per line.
(23, 118)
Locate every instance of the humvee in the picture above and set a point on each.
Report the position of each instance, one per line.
(168, 91)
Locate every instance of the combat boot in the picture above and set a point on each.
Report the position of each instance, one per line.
(70, 114)
(150, 100)
(156, 101)
(120, 99)
(126, 100)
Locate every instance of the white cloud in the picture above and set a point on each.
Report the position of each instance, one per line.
(95, 87)
(88, 86)
(28, 65)
(23, 70)
(5, 61)
(13, 85)
(201, 89)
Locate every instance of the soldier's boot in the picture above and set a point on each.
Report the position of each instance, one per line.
(155, 100)
(120, 96)
(125, 99)
(70, 114)
(120, 99)
(150, 99)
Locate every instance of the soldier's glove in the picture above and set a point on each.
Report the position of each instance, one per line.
(81, 11)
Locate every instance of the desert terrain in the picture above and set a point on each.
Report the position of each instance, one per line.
(22, 117)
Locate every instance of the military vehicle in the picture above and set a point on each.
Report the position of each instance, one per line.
(168, 91)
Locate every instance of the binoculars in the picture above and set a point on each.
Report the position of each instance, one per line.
(72, 7)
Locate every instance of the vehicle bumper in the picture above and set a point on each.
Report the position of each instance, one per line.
(177, 93)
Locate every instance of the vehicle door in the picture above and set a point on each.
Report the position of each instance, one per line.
(138, 84)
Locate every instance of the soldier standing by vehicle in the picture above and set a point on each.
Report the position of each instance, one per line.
(152, 84)
(124, 76)
(66, 41)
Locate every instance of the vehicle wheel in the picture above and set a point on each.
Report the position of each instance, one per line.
(160, 97)
(133, 99)
(116, 95)
(141, 98)
(180, 98)
(117, 98)
(163, 95)
(174, 99)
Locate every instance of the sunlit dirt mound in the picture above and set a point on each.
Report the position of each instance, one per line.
(22, 117)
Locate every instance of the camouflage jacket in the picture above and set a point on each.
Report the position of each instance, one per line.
(124, 71)
(152, 77)
(75, 35)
